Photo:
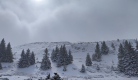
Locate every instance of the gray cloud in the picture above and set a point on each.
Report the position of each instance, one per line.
(27, 21)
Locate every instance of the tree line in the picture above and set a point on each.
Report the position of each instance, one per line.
(128, 59)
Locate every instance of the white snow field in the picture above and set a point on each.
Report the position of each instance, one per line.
(79, 52)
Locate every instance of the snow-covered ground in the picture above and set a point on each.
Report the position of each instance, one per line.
(79, 52)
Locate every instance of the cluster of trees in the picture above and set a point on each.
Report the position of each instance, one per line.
(128, 59)
(61, 56)
(45, 64)
(5, 52)
(26, 59)
(98, 52)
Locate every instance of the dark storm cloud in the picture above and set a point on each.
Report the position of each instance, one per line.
(68, 20)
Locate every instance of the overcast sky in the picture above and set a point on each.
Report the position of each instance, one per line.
(25, 21)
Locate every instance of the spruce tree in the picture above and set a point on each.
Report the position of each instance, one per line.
(32, 58)
(28, 53)
(70, 57)
(97, 53)
(104, 48)
(131, 60)
(121, 55)
(126, 46)
(53, 55)
(57, 51)
(3, 51)
(9, 55)
(82, 69)
(88, 60)
(112, 45)
(45, 64)
(23, 61)
(59, 63)
(23, 53)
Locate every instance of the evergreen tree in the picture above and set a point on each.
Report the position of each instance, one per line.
(45, 64)
(94, 57)
(28, 53)
(104, 48)
(23, 61)
(23, 53)
(32, 59)
(88, 60)
(121, 55)
(53, 55)
(131, 62)
(9, 55)
(59, 63)
(56, 54)
(98, 53)
(126, 46)
(112, 45)
(82, 69)
(65, 56)
(70, 57)
(3, 51)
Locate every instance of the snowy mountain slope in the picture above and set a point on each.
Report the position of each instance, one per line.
(79, 52)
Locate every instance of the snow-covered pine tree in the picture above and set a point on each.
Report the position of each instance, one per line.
(59, 60)
(28, 53)
(57, 51)
(61, 55)
(23, 61)
(121, 55)
(126, 46)
(23, 53)
(3, 51)
(98, 53)
(53, 55)
(9, 55)
(32, 59)
(45, 64)
(82, 69)
(104, 48)
(112, 45)
(131, 62)
(88, 60)
(94, 57)
(70, 57)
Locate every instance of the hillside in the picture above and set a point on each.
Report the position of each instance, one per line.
(79, 52)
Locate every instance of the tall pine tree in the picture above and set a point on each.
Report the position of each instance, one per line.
(88, 60)
(121, 55)
(45, 64)
(9, 55)
(23, 61)
(3, 51)
(82, 69)
(104, 48)
(70, 57)
(32, 59)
